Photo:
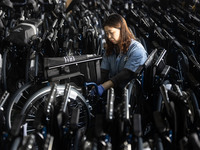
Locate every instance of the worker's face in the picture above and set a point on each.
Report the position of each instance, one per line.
(113, 34)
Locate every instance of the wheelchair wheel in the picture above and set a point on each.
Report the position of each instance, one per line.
(36, 104)
(17, 101)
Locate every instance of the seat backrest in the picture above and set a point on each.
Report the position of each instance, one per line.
(22, 34)
(148, 71)
(87, 65)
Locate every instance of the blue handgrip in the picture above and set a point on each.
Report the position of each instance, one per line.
(92, 84)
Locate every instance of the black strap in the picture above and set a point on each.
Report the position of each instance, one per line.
(88, 71)
(92, 72)
(98, 71)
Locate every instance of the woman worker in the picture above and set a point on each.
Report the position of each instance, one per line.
(123, 55)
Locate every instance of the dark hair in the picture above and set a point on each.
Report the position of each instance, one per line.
(117, 21)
